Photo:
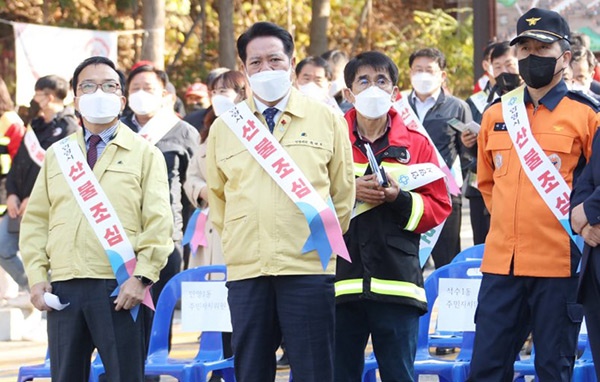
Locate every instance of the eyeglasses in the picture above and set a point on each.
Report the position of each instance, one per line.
(91, 87)
(381, 82)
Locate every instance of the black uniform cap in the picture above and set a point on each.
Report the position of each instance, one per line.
(542, 25)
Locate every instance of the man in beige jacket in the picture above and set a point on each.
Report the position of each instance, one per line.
(58, 236)
(275, 289)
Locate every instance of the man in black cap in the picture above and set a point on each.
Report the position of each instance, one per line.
(532, 146)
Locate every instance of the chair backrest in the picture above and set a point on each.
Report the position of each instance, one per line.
(586, 356)
(471, 253)
(159, 339)
(468, 269)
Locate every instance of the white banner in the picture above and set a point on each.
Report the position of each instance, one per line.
(42, 50)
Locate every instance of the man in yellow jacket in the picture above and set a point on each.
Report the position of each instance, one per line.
(276, 286)
(57, 234)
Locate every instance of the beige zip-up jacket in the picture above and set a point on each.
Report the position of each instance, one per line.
(55, 235)
(262, 230)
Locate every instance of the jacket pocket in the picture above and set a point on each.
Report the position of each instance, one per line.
(60, 243)
(311, 156)
(500, 146)
(559, 148)
(239, 241)
(555, 143)
(409, 247)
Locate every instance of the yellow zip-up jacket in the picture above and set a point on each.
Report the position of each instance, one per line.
(56, 236)
(262, 230)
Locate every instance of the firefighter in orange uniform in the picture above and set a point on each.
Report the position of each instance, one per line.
(530, 262)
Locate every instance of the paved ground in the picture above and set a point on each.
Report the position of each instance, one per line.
(14, 354)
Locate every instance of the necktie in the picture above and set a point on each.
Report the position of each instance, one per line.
(92, 153)
(269, 115)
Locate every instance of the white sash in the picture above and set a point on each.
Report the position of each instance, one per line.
(35, 150)
(544, 176)
(409, 177)
(99, 212)
(326, 234)
(158, 126)
(479, 99)
(410, 119)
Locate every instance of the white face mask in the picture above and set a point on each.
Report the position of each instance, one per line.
(373, 103)
(424, 83)
(100, 107)
(221, 104)
(314, 91)
(271, 85)
(144, 103)
(576, 86)
(337, 86)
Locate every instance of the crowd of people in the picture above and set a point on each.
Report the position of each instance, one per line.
(297, 166)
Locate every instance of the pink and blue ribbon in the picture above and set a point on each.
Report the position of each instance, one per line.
(123, 271)
(194, 234)
(325, 233)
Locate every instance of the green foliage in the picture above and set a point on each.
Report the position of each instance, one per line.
(440, 30)
(395, 30)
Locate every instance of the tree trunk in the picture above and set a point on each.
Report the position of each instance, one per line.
(227, 48)
(153, 20)
(321, 10)
(361, 22)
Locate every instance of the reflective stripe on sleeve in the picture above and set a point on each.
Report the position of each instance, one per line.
(418, 207)
(360, 169)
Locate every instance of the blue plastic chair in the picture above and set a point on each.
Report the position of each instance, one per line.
(210, 353)
(583, 370)
(444, 339)
(584, 366)
(426, 364)
(472, 253)
(29, 373)
(369, 371)
(524, 367)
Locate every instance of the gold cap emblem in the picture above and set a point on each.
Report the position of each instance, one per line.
(533, 20)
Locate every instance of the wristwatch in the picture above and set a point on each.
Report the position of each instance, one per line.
(144, 280)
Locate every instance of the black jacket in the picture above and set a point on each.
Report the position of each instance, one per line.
(446, 139)
(383, 247)
(178, 146)
(24, 170)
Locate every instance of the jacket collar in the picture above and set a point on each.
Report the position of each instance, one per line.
(123, 137)
(296, 105)
(440, 99)
(397, 133)
(551, 99)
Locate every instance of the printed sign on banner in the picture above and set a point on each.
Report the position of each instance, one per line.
(457, 301)
(42, 50)
(204, 307)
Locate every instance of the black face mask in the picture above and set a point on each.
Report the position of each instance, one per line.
(537, 71)
(506, 82)
(34, 110)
